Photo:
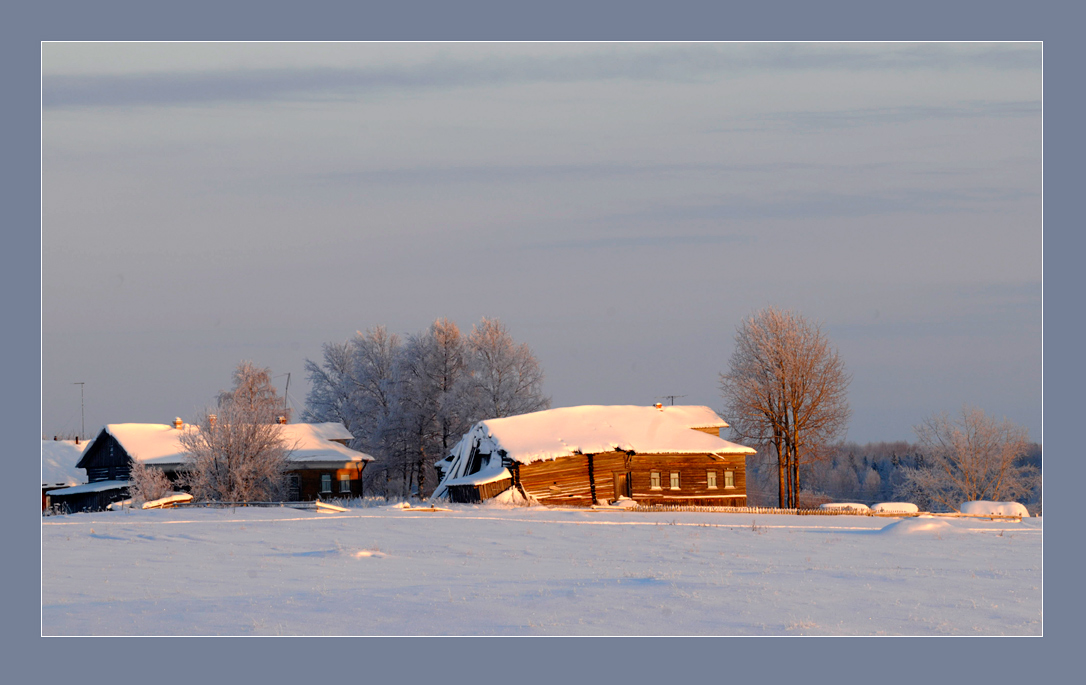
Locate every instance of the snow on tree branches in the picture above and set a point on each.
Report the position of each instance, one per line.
(237, 453)
(409, 401)
(973, 457)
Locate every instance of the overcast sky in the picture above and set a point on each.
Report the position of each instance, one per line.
(621, 207)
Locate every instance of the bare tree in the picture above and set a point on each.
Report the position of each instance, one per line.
(973, 457)
(238, 453)
(506, 376)
(147, 483)
(786, 388)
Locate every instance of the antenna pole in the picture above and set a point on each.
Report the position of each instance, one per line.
(82, 425)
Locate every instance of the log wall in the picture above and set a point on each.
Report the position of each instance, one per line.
(566, 480)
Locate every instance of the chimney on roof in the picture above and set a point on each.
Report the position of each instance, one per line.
(77, 439)
(660, 406)
(282, 420)
(177, 423)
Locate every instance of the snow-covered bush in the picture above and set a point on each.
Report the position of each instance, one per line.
(147, 483)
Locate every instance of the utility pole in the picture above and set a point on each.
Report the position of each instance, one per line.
(82, 426)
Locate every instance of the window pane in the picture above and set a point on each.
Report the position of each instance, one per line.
(326, 482)
(711, 477)
(344, 483)
(729, 479)
(654, 480)
(674, 480)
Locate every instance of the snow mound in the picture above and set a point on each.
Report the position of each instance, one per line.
(844, 506)
(363, 553)
(920, 524)
(168, 500)
(895, 508)
(510, 498)
(624, 503)
(986, 508)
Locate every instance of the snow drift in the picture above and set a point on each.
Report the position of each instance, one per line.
(895, 508)
(920, 524)
(986, 508)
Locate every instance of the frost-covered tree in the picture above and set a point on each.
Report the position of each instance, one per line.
(972, 457)
(786, 388)
(436, 401)
(408, 403)
(237, 453)
(332, 386)
(147, 483)
(506, 377)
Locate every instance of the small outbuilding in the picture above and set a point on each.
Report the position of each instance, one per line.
(320, 464)
(599, 454)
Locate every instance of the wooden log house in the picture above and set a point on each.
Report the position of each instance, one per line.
(320, 465)
(590, 455)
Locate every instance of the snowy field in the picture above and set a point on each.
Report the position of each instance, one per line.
(488, 570)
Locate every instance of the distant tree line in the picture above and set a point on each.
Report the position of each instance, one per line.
(882, 472)
(407, 401)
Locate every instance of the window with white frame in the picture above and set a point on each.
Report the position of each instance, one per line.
(710, 476)
(729, 479)
(344, 483)
(326, 483)
(654, 481)
(674, 480)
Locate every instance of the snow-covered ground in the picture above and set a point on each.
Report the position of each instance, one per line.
(484, 570)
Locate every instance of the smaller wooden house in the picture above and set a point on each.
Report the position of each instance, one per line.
(599, 454)
(320, 464)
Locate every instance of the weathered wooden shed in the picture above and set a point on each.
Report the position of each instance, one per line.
(319, 463)
(599, 454)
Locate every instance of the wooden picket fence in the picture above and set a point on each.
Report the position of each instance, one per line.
(807, 512)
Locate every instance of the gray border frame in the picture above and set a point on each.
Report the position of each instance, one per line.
(648, 659)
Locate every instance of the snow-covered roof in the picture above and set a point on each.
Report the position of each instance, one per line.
(695, 416)
(97, 486)
(156, 443)
(593, 429)
(58, 460)
(150, 443)
(590, 429)
(311, 442)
